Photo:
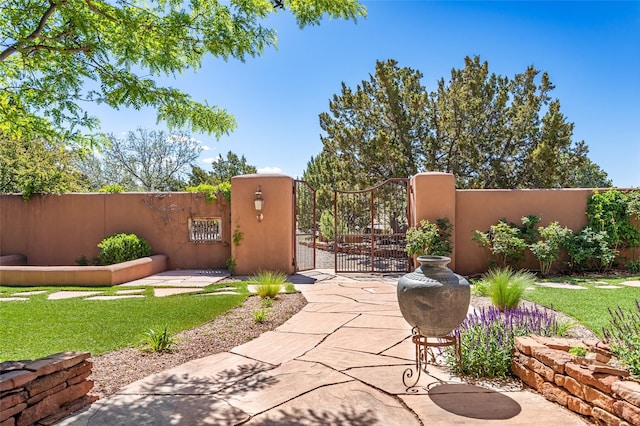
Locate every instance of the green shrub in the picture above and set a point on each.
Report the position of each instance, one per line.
(623, 335)
(578, 351)
(547, 249)
(327, 228)
(589, 249)
(211, 191)
(120, 248)
(231, 265)
(430, 238)
(633, 266)
(505, 287)
(612, 211)
(267, 302)
(268, 283)
(158, 340)
(112, 188)
(507, 242)
(260, 315)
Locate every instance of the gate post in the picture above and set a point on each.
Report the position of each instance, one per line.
(266, 243)
(434, 197)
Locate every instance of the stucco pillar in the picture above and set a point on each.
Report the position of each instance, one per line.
(265, 244)
(434, 197)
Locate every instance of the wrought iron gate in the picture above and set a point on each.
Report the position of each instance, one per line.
(306, 226)
(370, 228)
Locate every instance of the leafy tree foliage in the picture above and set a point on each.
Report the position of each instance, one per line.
(374, 132)
(56, 53)
(151, 160)
(223, 170)
(37, 167)
(490, 131)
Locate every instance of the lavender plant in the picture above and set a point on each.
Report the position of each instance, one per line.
(487, 337)
(623, 335)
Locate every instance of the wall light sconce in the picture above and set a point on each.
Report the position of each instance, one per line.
(258, 203)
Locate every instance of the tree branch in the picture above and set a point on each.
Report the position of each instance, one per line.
(45, 17)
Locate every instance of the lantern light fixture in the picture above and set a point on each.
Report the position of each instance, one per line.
(258, 203)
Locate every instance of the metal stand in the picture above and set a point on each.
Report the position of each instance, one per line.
(424, 351)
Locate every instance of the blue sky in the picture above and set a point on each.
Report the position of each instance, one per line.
(591, 51)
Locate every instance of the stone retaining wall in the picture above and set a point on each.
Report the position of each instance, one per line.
(593, 386)
(44, 390)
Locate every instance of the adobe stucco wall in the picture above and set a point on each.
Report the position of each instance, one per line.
(55, 230)
(266, 244)
(479, 209)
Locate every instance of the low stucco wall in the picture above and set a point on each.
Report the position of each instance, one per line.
(55, 230)
(91, 276)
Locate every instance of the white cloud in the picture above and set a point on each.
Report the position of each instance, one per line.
(269, 170)
(205, 147)
(209, 160)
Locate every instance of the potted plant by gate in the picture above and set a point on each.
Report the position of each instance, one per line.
(429, 238)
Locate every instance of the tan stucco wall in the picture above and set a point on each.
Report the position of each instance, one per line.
(266, 244)
(479, 209)
(434, 197)
(55, 230)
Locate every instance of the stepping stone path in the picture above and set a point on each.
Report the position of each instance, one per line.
(172, 282)
(634, 283)
(562, 285)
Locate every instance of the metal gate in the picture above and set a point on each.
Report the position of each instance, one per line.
(304, 197)
(370, 228)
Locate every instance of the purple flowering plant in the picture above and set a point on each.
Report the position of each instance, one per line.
(487, 337)
(623, 335)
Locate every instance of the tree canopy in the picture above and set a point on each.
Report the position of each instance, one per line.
(57, 54)
(151, 160)
(490, 131)
(223, 169)
(38, 167)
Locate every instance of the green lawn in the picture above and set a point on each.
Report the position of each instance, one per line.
(590, 306)
(39, 327)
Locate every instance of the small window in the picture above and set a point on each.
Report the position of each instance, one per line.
(204, 229)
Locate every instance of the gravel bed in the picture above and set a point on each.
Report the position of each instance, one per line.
(114, 370)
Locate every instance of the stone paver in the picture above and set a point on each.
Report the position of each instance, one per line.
(138, 291)
(340, 360)
(463, 404)
(562, 285)
(164, 292)
(116, 297)
(13, 299)
(631, 283)
(351, 403)
(284, 383)
(59, 295)
(29, 293)
(276, 347)
(608, 287)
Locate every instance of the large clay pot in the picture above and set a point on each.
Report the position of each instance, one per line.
(433, 298)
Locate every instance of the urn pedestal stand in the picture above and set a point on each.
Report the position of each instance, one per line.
(424, 351)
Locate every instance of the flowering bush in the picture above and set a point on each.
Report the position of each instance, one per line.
(487, 338)
(623, 334)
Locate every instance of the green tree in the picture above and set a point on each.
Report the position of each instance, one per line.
(223, 169)
(490, 131)
(226, 168)
(38, 167)
(374, 132)
(152, 161)
(56, 53)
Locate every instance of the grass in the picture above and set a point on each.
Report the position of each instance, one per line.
(590, 306)
(40, 327)
(268, 283)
